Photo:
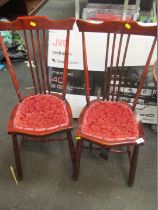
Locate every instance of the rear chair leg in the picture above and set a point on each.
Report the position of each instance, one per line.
(129, 153)
(90, 147)
(133, 165)
(17, 157)
(78, 157)
(71, 148)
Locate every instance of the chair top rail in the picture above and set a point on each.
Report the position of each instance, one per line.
(122, 26)
(37, 23)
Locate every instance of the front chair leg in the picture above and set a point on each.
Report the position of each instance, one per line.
(17, 157)
(133, 165)
(71, 148)
(77, 162)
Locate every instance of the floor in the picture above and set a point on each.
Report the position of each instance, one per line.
(48, 184)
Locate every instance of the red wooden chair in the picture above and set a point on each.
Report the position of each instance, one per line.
(108, 122)
(44, 113)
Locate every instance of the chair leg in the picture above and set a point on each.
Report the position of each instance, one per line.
(78, 157)
(71, 148)
(90, 147)
(17, 157)
(133, 165)
(129, 153)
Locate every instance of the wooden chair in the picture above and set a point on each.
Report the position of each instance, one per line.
(108, 122)
(43, 113)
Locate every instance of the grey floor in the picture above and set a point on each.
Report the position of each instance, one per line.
(48, 184)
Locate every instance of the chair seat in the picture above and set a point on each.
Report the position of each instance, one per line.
(41, 112)
(112, 121)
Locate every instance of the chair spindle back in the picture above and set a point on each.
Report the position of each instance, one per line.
(118, 35)
(34, 31)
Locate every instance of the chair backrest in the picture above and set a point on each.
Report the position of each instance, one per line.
(118, 35)
(34, 32)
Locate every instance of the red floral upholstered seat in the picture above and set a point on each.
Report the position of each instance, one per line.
(41, 112)
(110, 121)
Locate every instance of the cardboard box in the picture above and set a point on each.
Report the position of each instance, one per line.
(147, 105)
